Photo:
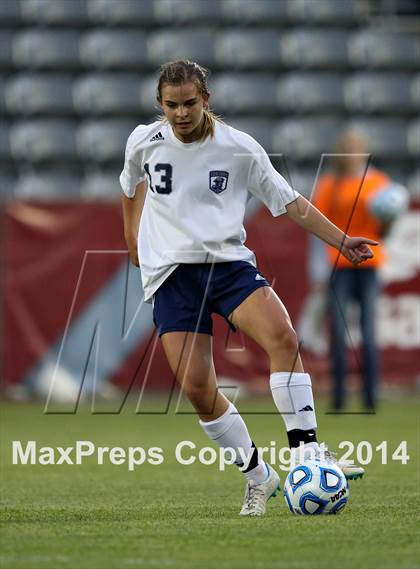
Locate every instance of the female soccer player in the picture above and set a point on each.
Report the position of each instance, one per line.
(186, 182)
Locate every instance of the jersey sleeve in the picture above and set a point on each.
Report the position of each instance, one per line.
(133, 173)
(266, 184)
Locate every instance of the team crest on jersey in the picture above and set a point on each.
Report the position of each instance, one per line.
(218, 180)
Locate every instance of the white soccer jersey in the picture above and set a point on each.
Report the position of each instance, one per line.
(197, 193)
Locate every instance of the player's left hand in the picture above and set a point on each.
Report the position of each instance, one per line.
(357, 250)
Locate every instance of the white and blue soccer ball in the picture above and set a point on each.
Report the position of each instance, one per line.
(391, 202)
(316, 487)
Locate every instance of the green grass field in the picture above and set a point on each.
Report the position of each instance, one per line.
(93, 516)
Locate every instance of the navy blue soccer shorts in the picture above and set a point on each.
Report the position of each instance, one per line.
(190, 295)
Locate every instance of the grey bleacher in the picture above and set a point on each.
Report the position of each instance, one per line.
(37, 93)
(387, 136)
(334, 12)
(415, 92)
(184, 11)
(101, 185)
(267, 12)
(113, 49)
(413, 183)
(379, 92)
(2, 95)
(43, 140)
(302, 179)
(76, 76)
(10, 13)
(312, 48)
(103, 140)
(260, 128)
(253, 93)
(253, 48)
(55, 12)
(306, 138)
(5, 154)
(413, 138)
(7, 185)
(170, 44)
(148, 93)
(46, 49)
(310, 91)
(6, 61)
(374, 48)
(49, 184)
(107, 93)
(121, 12)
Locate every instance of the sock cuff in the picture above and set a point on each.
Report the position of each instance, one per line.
(218, 427)
(289, 378)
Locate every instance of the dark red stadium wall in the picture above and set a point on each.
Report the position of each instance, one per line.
(44, 248)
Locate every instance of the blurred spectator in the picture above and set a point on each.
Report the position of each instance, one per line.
(361, 201)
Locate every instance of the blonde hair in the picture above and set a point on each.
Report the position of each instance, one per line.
(182, 71)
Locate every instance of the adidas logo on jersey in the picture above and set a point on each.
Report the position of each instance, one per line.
(156, 137)
(259, 278)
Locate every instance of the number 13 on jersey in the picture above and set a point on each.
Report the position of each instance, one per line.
(164, 171)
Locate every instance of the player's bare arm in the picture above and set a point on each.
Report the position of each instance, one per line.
(132, 210)
(355, 249)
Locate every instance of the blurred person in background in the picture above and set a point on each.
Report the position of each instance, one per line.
(358, 198)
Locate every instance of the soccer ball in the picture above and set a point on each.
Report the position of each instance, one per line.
(316, 487)
(389, 203)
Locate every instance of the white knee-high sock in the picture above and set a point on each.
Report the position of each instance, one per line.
(230, 431)
(292, 394)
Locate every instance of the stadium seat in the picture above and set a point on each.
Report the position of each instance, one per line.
(413, 138)
(415, 92)
(43, 139)
(29, 93)
(373, 48)
(59, 12)
(301, 92)
(169, 45)
(6, 50)
(102, 185)
(261, 12)
(104, 140)
(302, 179)
(251, 49)
(6, 186)
(10, 14)
(343, 13)
(187, 11)
(107, 93)
(236, 93)
(2, 95)
(47, 185)
(42, 49)
(117, 12)
(305, 138)
(314, 48)
(387, 136)
(4, 142)
(258, 128)
(377, 92)
(105, 49)
(148, 92)
(413, 184)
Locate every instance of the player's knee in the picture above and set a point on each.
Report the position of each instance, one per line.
(283, 339)
(196, 392)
